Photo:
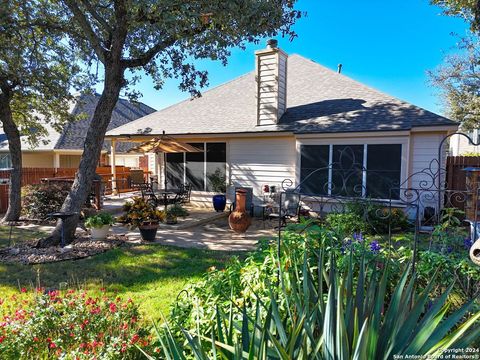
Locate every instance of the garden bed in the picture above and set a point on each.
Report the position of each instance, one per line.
(81, 247)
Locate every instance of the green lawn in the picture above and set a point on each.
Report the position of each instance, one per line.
(152, 275)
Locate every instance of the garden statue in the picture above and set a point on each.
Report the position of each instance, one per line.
(239, 220)
(475, 252)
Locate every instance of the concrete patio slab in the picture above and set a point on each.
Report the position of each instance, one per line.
(214, 235)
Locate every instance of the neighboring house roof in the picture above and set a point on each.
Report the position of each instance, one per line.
(319, 100)
(73, 134)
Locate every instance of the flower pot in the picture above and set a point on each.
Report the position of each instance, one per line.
(239, 220)
(148, 232)
(219, 202)
(100, 233)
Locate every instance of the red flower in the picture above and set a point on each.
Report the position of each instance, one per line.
(113, 307)
(23, 290)
(2, 338)
(52, 345)
(134, 339)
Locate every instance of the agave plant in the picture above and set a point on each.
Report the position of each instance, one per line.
(312, 314)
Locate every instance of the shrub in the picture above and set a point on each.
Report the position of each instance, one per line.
(367, 217)
(72, 325)
(315, 310)
(42, 199)
(177, 210)
(99, 220)
(217, 181)
(140, 212)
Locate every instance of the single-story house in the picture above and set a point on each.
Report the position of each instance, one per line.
(460, 145)
(287, 118)
(63, 149)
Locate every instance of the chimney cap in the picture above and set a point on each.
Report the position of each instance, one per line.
(272, 43)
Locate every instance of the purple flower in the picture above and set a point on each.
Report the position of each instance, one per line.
(358, 237)
(375, 247)
(467, 242)
(346, 246)
(449, 250)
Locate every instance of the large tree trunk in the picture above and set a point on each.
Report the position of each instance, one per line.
(15, 147)
(91, 154)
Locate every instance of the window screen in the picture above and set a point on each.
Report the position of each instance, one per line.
(216, 160)
(195, 168)
(347, 165)
(383, 171)
(175, 170)
(314, 169)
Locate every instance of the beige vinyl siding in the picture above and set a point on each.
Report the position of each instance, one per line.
(424, 154)
(460, 145)
(261, 161)
(69, 161)
(272, 86)
(37, 160)
(423, 161)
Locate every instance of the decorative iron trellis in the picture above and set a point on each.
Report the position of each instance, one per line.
(421, 196)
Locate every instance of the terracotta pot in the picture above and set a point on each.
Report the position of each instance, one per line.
(239, 220)
(475, 252)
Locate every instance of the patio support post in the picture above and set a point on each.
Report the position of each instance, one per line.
(56, 161)
(114, 169)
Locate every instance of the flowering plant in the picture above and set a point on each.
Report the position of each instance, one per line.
(71, 325)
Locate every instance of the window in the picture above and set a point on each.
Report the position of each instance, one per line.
(216, 160)
(5, 161)
(384, 164)
(347, 165)
(351, 170)
(314, 169)
(175, 169)
(194, 168)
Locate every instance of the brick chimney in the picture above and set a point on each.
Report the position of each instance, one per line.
(271, 78)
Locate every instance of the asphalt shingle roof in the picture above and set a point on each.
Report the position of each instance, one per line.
(319, 100)
(72, 136)
(74, 133)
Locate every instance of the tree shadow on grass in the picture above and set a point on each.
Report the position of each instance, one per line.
(125, 269)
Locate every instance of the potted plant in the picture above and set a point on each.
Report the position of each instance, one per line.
(141, 214)
(173, 212)
(99, 225)
(217, 180)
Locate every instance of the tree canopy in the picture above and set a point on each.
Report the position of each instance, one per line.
(161, 38)
(37, 67)
(459, 82)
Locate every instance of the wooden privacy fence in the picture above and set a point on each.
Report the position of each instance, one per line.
(32, 176)
(456, 175)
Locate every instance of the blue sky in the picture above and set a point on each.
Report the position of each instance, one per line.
(388, 45)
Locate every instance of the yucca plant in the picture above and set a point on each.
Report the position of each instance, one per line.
(312, 314)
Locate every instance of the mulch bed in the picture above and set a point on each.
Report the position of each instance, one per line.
(81, 247)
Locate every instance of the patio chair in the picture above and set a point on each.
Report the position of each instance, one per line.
(183, 196)
(136, 178)
(248, 201)
(289, 208)
(149, 195)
